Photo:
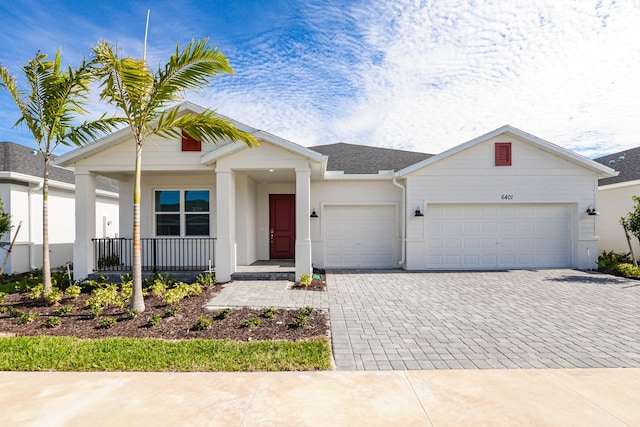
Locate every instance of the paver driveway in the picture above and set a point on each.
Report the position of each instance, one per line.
(383, 320)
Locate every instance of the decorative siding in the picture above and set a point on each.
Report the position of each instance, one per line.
(157, 154)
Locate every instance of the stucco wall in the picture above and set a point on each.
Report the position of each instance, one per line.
(26, 206)
(614, 201)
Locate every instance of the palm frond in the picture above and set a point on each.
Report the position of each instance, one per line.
(191, 69)
(205, 126)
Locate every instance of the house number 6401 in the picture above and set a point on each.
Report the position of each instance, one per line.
(507, 197)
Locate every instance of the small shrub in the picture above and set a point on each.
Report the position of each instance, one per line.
(307, 311)
(73, 291)
(609, 260)
(126, 291)
(180, 291)
(269, 313)
(192, 290)
(300, 320)
(4, 309)
(207, 280)
(28, 317)
(94, 311)
(154, 320)
(52, 322)
(253, 322)
(224, 313)
(36, 291)
(106, 296)
(14, 313)
(53, 296)
(158, 288)
(130, 314)
(305, 280)
(202, 324)
(171, 312)
(628, 270)
(3, 295)
(60, 279)
(61, 311)
(173, 296)
(107, 323)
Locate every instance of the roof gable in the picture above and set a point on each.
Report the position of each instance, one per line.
(523, 136)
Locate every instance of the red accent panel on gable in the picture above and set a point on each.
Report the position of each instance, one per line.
(190, 144)
(503, 154)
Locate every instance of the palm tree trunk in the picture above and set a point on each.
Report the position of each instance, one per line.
(137, 300)
(46, 262)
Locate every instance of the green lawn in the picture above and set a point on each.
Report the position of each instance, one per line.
(46, 353)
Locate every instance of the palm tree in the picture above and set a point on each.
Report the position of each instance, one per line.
(49, 108)
(144, 99)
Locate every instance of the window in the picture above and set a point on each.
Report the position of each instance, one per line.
(190, 144)
(182, 212)
(503, 154)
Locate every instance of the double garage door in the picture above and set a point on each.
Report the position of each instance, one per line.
(359, 236)
(498, 236)
(458, 236)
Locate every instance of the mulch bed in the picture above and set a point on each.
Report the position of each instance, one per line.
(78, 323)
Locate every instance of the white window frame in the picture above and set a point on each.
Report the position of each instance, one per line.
(181, 212)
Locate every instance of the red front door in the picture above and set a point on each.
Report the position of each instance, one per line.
(282, 226)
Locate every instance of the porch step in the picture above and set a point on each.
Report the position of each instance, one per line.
(264, 275)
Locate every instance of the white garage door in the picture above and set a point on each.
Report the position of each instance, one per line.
(502, 236)
(359, 236)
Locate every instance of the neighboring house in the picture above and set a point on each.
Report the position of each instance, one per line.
(506, 199)
(21, 176)
(614, 197)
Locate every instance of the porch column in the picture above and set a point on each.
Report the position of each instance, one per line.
(303, 223)
(225, 225)
(85, 224)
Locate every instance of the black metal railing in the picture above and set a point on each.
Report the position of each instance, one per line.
(158, 254)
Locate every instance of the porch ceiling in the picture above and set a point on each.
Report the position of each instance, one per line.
(271, 176)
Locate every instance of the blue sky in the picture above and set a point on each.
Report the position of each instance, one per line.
(409, 74)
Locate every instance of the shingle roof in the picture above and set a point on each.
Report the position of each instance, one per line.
(361, 159)
(20, 159)
(627, 163)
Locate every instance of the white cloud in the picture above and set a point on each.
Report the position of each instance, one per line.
(453, 71)
(415, 74)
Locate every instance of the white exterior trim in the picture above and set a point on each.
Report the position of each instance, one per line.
(619, 185)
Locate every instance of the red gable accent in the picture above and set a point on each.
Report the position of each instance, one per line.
(190, 144)
(503, 154)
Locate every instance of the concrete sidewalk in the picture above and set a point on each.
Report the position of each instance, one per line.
(545, 397)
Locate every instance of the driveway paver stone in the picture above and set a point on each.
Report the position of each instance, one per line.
(391, 319)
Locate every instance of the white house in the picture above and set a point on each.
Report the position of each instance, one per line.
(614, 197)
(21, 172)
(503, 200)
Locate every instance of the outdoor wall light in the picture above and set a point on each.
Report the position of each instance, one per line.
(418, 212)
(592, 211)
(314, 214)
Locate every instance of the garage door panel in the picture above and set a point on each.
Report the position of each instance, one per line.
(498, 236)
(359, 236)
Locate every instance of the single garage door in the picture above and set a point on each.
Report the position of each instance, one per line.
(359, 236)
(498, 236)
